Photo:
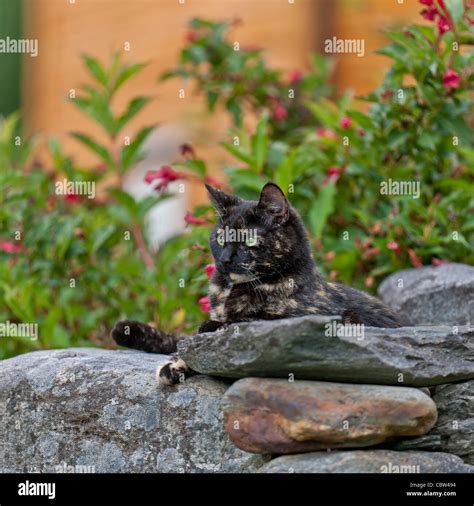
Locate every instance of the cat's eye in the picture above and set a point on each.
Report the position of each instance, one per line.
(251, 241)
(220, 240)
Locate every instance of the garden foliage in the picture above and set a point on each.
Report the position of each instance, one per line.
(76, 265)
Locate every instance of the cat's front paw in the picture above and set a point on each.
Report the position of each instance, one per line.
(126, 332)
(210, 326)
(172, 373)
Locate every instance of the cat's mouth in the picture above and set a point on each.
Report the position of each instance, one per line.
(237, 277)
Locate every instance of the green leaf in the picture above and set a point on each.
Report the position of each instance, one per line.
(260, 144)
(126, 200)
(283, 175)
(134, 107)
(8, 127)
(426, 140)
(233, 107)
(197, 166)
(322, 208)
(425, 34)
(94, 146)
(461, 129)
(125, 74)
(149, 202)
(131, 154)
(239, 153)
(323, 112)
(194, 53)
(409, 43)
(102, 235)
(395, 51)
(212, 98)
(96, 69)
(455, 9)
(243, 178)
(97, 107)
(396, 139)
(362, 119)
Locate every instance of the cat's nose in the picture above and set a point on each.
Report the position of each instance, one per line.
(226, 256)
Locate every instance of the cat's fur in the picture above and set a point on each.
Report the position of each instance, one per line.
(275, 278)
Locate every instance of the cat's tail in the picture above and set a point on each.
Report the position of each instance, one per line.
(141, 336)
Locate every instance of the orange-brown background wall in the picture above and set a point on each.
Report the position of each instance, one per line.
(155, 30)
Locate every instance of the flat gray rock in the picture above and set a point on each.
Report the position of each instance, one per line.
(93, 410)
(301, 348)
(368, 461)
(441, 295)
(454, 430)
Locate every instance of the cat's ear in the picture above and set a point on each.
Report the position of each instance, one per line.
(274, 204)
(221, 200)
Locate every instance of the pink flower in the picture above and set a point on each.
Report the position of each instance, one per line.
(443, 25)
(346, 122)
(429, 14)
(213, 182)
(205, 304)
(295, 77)
(414, 258)
(334, 173)
(72, 198)
(451, 79)
(166, 174)
(426, 2)
(193, 220)
(437, 262)
(210, 268)
(251, 48)
(9, 247)
(326, 132)
(371, 252)
(394, 246)
(192, 36)
(279, 112)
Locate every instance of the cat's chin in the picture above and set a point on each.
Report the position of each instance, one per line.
(240, 278)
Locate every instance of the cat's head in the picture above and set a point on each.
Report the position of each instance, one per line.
(261, 239)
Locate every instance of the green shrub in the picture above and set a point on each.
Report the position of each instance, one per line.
(72, 264)
(334, 170)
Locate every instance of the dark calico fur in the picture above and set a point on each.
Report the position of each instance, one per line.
(273, 278)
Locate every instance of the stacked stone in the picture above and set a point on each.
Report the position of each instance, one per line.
(321, 399)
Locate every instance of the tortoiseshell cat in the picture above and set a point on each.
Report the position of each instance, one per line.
(264, 271)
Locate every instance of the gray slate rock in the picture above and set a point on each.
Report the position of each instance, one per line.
(103, 410)
(454, 430)
(408, 356)
(441, 295)
(368, 461)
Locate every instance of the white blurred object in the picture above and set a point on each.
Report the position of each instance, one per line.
(166, 219)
